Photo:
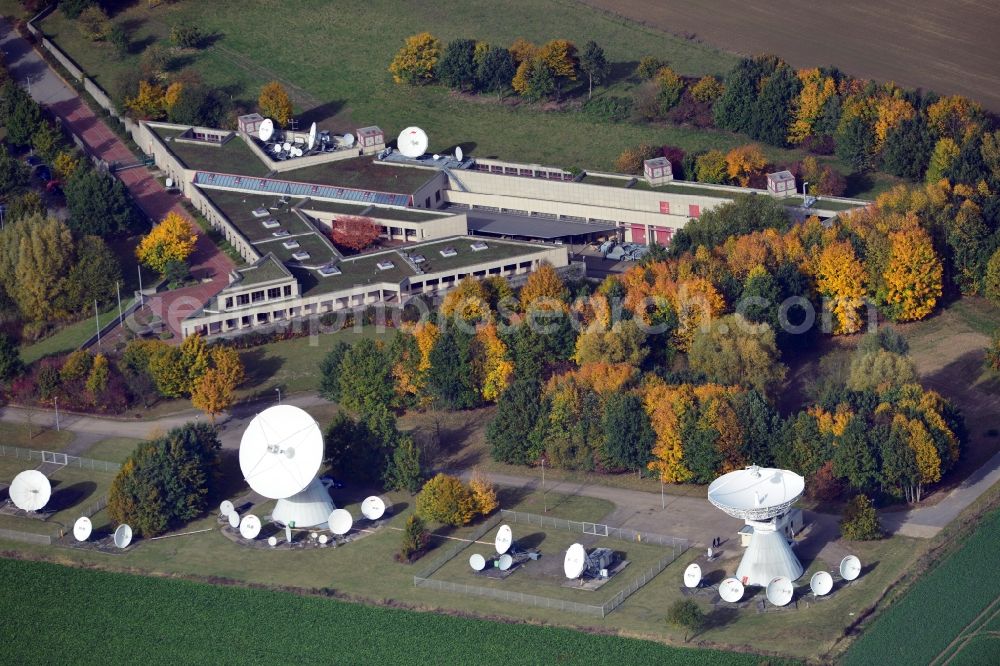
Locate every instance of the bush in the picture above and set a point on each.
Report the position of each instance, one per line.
(94, 23)
(447, 500)
(607, 109)
(415, 540)
(73, 8)
(10, 361)
(631, 159)
(648, 67)
(484, 493)
(860, 521)
(186, 35)
(993, 353)
(687, 615)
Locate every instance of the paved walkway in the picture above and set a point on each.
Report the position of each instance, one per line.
(208, 264)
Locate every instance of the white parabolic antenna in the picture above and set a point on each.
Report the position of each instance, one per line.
(850, 567)
(30, 490)
(575, 561)
(821, 583)
(505, 562)
(412, 142)
(250, 526)
(272, 541)
(82, 528)
(503, 539)
(323, 539)
(692, 575)
(459, 156)
(348, 139)
(340, 521)
(123, 536)
(373, 507)
(477, 562)
(281, 451)
(731, 590)
(312, 136)
(779, 591)
(266, 129)
(234, 519)
(226, 508)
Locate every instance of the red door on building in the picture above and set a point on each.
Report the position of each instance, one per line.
(639, 233)
(663, 236)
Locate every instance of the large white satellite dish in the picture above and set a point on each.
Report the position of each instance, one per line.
(82, 528)
(340, 521)
(234, 519)
(312, 136)
(30, 490)
(226, 508)
(266, 129)
(250, 526)
(503, 539)
(123, 536)
(348, 139)
(477, 562)
(575, 561)
(459, 155)
(412, 142)
(692, 575)
(505, 562)
(731, 590)
(779, 591)
(821, 583)
(373, 507)
(850, 567)
(281, 451)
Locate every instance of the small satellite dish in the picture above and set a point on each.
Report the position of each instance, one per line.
(373, 507)
(276, 148)
(436, 157)
(82, 528)
(506, 561)
(575, 561)
(313, 535)
(266, 130)
(123, 536)
(312, 136)
(30, 490)
(731, 590)
(459, 155)
(340, 521)
(692, 575)
(272, 541)
(348, 139)
(821, 583)
(850, 567)
(286, 146)
(250, 527)
(226, 508)
(323, 539)
(779, 591)
(169, 183)
(234, 520)
(477, 562)
(503, 539)
(412, 142)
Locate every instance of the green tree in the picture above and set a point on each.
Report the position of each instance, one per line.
(628, 436)
(329, 371)
(496, 71)
(541, 81)
(447, 500)
(743, 215)
(21, 115)
(457, 66)
(13, 174)
(10, 359)
(359, 449)
(735, 109)
(98, 204)
(416, 538)
(25, 205)
(510, 432)
(761, 298)
(880, 371)
(118, 38)
(686, 614)
(94, 275)
(907, 149)
(365, 377)
(860, 521)
(853, 457)
(772, 113)
(735, 351)
(186, 35)
(762, 427)
(991, 282)
(47, 140)
(943, 157)
(404, 470)
(595, 65)
(855, 139)
(43, 261)
(970, 241)
(451, 379)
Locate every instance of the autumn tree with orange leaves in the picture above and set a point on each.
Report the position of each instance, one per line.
(744, 162)
(840, 277)
(544, 290)
(353, 232)
(913, 276)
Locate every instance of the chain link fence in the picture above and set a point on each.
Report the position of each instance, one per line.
(676, 544)
(29, 537)
(56, 458)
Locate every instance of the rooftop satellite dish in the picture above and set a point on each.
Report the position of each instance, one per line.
(226, 508)
(312, 136)
(30, 490)
(123, 536)
(575, 561)
(505, 562)
(821, 583)
(323, 539)
(276, 148)
(436, 157)
(459, 155)
(373, 507)
(272, 541)
(412, 142)
(850, 567)
(286, 146)
(82, 528)
(340, 521)
(266, 129)
(477, 562)
(281, 451)
(313, 535)
(779, 591)
(731, 590)
(234, 520)
(169, 183)
(503, 539)
(348, 139)
(250, 527)
(692, 575)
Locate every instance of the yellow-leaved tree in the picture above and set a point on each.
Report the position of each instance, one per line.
(148, 103)
(173, 239)
(467, 301)
(544, 289)
(840, 277)
(744, 162)
(416, 62)
(890, 113)
(483, 492)
(913, 276)
(816, 91)
(492, 366)
(274, 103)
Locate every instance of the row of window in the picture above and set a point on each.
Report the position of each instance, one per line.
(258, 296)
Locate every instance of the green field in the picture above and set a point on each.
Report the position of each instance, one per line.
(99, 617)
(955, 594)
(114, 449)
(69, 338)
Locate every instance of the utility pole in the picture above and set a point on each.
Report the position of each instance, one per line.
(56, 399)
(97, 321)
(278, 389)
(118, 291)
(138, 267)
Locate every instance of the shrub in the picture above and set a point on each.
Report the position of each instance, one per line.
(186, 35)
(415, 539)
(94, 23)
(648, 67)
(631, 159)
(991, 283)
(484, 493)
(608, 109)
(993, 353)
(860, 522)
(447, 500)
(10, 361)
(686, 614)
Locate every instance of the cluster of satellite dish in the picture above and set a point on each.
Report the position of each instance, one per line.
(595, 564)
(30, 491)
(282, 149)
(504, 560)
(412, 142)
(280, 454)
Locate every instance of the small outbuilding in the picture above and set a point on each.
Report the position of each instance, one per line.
(781, 184)
(371, 139)
(657, 171)
(250, 123)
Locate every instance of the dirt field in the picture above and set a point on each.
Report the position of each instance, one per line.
(950, 47)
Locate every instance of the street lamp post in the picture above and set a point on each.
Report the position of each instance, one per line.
(278, 389)
(56, 399)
